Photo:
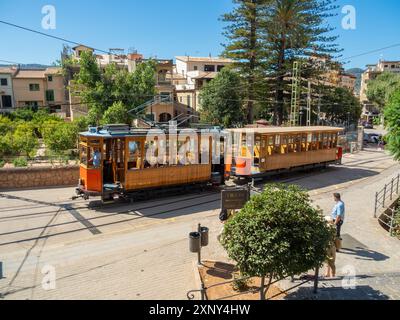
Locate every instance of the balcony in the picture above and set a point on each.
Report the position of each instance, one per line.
(164, 82)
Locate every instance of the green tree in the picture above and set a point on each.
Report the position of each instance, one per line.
(297, 30)
(392, 123)
(340, 106)
(117, 113)
(60, 137)
(23, 114)
(244, 34)
(277, 234)
(100, 90)
(40, 118)
(24, 139)
(380, 90)
(6, 132)
(221, 102)
(82, 124)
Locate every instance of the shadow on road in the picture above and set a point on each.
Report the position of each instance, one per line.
(365, 254)
(363, 292)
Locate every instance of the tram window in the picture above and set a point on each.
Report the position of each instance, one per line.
(94, 156)
(135, 156)
(297, 143)
(284, 145)
(325, 140)
(315, 141)
(152, 161)
(277, 147)
(320, 141)
(84, 155)
(185, 147)
(263, 142)
(291, 146)
(334, 140)
(304, 142)
(94, 142)
(309, 141)
(329, 140)
(257, 147)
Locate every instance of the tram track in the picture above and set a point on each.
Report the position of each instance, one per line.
(105, 224)
(67, 208)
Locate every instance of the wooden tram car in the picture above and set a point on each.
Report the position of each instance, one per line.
(120, 168)
(123, 168)
(278, 149)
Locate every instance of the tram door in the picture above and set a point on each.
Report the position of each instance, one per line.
(108, 175)
(118, 164)
(113, 164)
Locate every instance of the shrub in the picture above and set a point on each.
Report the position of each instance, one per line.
(24, 139)
(2, 163)
(60, 137)
(277, 234)
(20, 162)
(396, 223)
(240, 283)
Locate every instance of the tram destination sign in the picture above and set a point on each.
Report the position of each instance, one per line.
(234, 199)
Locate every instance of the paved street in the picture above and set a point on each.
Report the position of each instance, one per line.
(140, 251)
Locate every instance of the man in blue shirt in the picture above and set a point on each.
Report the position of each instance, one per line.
(338, 213)
(96, 158)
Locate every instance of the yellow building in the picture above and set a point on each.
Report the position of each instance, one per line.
(40, 88)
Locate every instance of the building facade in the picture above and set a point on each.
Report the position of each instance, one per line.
(39, 88)
(163, 107)
(7, 102)
(192, 73)
(371, 73)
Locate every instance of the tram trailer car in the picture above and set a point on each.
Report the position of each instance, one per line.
(283, 149)
(112, 159)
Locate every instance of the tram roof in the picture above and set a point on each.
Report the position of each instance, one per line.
(120, 131)
(268, 130)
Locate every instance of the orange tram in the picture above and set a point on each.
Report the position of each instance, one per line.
(113, 161)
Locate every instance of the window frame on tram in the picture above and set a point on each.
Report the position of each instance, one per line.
(86, 152)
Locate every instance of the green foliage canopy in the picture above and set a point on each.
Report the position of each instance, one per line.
(392, 123)
(340, 106)
(221, 102)
(380, 90)
(100, 89)
(278, 233)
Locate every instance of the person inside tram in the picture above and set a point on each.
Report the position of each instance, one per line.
(95, 160)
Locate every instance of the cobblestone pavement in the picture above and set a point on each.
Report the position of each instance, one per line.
(140, 251)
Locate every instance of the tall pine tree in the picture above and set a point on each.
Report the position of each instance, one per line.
(265, 37)
(297, 30)
(244, 33)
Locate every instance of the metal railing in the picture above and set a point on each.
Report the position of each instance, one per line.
(262, 290)
(384, 198)
(388, 192)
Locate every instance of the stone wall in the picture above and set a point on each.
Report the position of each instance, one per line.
(14, 178)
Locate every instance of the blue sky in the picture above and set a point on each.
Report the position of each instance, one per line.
(166, 28)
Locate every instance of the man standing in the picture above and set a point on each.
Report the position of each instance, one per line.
(338, 213)
(96, 158)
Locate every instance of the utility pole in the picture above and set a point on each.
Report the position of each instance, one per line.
(295, 103)
(308, 124)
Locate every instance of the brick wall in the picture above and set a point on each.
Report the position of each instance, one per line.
(14, 178)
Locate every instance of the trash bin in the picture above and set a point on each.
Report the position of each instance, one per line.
(204, 236)
(194, 242)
